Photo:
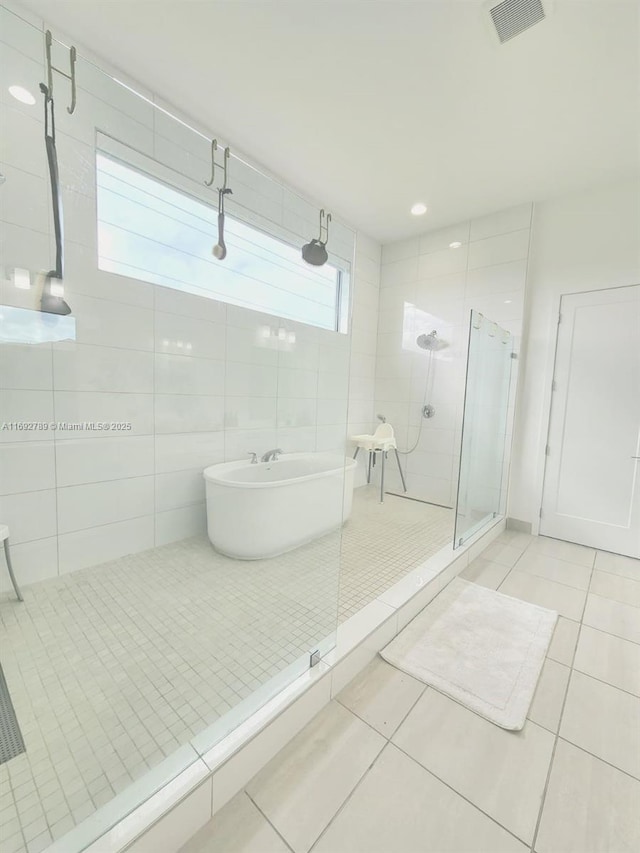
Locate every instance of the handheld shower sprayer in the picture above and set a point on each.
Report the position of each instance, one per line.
(431, 343)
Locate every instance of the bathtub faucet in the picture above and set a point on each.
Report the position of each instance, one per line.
(271, 455)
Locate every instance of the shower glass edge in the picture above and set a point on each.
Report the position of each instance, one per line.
(107, 106)
(481, 493)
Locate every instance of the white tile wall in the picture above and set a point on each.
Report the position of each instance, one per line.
(27, 467)
(361, 375)
(181, 452)
(83, 367)
(179, 489)
(28, 367)
(33, 514)
(197, 379)
(81, 406)
(426, 285)
(94, 460)
(78, 550)
(35, 560)
(94, 504)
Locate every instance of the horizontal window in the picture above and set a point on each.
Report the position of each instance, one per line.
(152, 231)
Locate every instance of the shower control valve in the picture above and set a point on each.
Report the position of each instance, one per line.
(428, 411)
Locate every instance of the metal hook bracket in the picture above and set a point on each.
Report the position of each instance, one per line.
(227, 154)
(326, 228)
(48, 41)
(214, 148)
(225, 167)
(325, 219)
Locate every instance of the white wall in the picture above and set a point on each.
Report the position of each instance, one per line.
(74, 500)
(426, 285)
(364, 336)
(586, 241)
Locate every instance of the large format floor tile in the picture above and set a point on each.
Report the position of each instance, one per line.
(516, 539)
(450, 781)
(485, 573)
(604, 721)
(589, 807)
(401, 807)
(544, 566)
(561, 550)
(567, 601)
(502, 772)
(237, 828)
(627, 567)
(611, 616)
(382, 696)
(564, 640)
(617, 587)
(548, 699)
(501, 552)
(609, 658)
(302, 788)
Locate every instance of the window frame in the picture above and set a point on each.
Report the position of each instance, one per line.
(161, 173)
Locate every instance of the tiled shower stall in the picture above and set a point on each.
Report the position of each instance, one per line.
(138, 646)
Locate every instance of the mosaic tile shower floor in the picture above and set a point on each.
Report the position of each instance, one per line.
(112, 668)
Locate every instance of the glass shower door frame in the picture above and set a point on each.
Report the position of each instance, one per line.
(465, 472)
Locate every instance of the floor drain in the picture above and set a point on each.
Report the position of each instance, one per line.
(11, 742)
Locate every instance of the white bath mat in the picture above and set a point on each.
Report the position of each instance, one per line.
(482, 648)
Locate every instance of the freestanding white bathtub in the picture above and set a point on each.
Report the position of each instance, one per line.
(256, 511)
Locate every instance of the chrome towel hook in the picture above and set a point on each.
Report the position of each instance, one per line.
(48, 41)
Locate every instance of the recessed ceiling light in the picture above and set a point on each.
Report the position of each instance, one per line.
(419, 208)
(22, 95)
(455, 245)
(507, 302)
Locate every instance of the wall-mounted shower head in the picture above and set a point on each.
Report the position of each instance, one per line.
(381, 418)
(431, 342)
(50, 301)
(315, 251)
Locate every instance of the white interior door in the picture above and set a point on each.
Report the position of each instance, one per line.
(591, 486)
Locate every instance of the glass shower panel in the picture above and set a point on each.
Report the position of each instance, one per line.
(139, 645)
(482, 480)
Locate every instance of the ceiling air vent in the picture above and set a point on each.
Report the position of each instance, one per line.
(513, 17)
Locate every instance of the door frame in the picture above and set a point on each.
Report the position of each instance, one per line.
(543, 434)
(552, 355)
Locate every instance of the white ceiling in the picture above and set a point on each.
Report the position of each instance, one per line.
(371, 105)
